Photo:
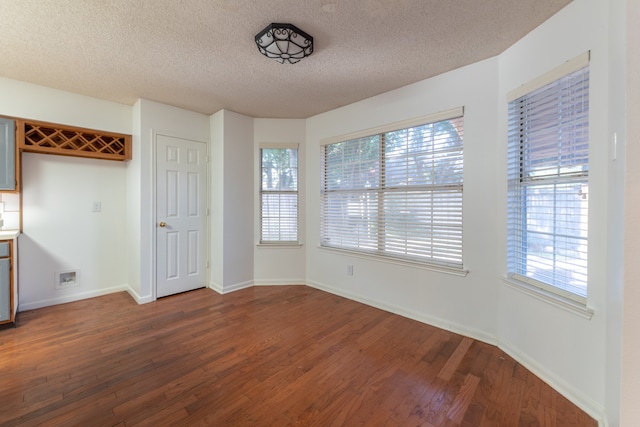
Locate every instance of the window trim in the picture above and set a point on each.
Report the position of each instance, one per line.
(426, 264)
(414, 122)
(550, 297)
(544, 291)
(462, 272)
(557, 73)
(278, 243)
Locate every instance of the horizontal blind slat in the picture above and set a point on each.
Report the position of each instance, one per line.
(398, 193)
(279, 193)
(548, 162)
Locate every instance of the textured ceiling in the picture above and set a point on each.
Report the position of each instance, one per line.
(200, 54)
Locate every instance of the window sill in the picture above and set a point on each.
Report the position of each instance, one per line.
(286, 245)
(396, 261)
(550, 298)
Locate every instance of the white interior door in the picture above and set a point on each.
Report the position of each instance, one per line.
(181, 172)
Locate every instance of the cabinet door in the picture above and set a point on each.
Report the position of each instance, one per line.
(5, 289)
(7, 154)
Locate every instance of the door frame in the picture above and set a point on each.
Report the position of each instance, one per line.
(154, 211)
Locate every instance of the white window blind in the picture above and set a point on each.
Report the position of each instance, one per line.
(279, 194)
(548, 168)
(397, 193)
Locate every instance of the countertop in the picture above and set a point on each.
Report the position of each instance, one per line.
(9, 234)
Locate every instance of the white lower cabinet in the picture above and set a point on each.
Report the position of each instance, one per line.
(8, 282)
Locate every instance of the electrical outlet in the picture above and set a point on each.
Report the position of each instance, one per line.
(349, 270)
(97, 207)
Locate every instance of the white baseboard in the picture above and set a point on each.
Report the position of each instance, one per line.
(137, 298)
(283, 282)
(576, 396)
(216, 287)
(230, 288)
(420, 317)
(74, 297)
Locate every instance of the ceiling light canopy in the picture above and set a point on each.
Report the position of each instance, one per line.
(284, 43)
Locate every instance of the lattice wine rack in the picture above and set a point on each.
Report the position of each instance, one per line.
(39, 137)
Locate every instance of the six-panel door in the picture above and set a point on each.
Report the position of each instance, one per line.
(180, 215)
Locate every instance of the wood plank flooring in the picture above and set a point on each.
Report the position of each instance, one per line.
(264, 356)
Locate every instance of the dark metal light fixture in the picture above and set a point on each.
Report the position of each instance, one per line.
(284, 43)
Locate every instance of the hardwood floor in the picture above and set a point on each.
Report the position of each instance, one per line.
(264, 356)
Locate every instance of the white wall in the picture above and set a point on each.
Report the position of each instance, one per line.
(578, 356)
(238, 200)
(273, 264)
(133, 219)
(216, 186)
(34, 102)
(232, 192)
(466, 304)
(152, 118)
(60, 231)
(568, 350)
(618, 113)
(630, 413)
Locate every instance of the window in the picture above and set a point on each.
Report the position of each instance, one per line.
(397, 191)
(548, 173)
(279, 194)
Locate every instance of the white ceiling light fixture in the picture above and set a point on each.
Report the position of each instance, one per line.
(284, 43)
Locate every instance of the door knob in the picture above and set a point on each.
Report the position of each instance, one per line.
(162, 224)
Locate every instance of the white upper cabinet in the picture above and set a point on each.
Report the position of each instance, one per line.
(7, 154)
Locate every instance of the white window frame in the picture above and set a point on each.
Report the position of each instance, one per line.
(262, 192)
(377, 246)
(522, 178)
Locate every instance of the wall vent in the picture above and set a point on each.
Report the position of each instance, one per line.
(67, 279)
